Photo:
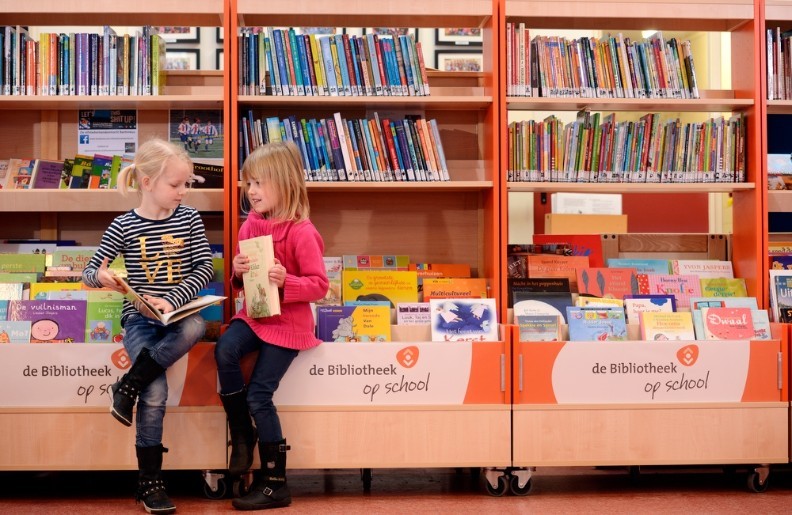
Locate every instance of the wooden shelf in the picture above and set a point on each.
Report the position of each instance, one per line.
(779, 201)
(401, 187)
(779, 106)
(620, 187)
(678, 15)
(365, 13)
(86, 201)
(440, 99)
(711, 104)
(777, 10)
(141, 103)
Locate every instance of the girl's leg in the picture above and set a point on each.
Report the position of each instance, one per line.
(271, 366)
(236, 342)
(176, 340)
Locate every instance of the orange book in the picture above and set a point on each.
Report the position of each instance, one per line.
(547, 265)
(440, 269)
(454, 288)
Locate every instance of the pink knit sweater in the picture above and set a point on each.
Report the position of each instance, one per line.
(299, 247)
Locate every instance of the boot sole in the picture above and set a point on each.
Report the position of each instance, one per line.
(251, 507)
(161, 511)
(123, 420)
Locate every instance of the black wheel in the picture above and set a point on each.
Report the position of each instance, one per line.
(239, 487)
(499, 490)
(220, 493)
(365, 476)
(514, 486)
(755, 485)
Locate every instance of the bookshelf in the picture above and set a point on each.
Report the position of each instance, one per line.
(619, 423)
(432, 222)
(47, 127)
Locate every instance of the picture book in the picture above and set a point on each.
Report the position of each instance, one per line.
(642, 266)
(166, 318)
(100, 172)
(47, 174)
(376, 262)
(103, 317)
(80, 172)
(662, 325)
(463, 320)
(698, 303)
(51, 321)
(4, 309)
(589, 245)
(634, 305)
(723, 287)
(702, 267)
(542, 303)
(393, 286)
(81, 294)
(353, 323)
(761, 324)
(517, 256)
(75, 258)
(539, 328)
(780, 262)
(413, 313)
(596, 324)
(334, 265)
(14, 331)
(722, 323)
(22, 263)
(39, 291)
(454, 288)
(14, 291)
(682, 287)
(18, 277)
(3, 173)
(780, 294)
(586, 301)
(261, 295)
(519, 286)
(440, 270)
(20, 174)
(607, 282)
(557, 266)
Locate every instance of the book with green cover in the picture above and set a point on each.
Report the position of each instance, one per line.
(261, 295)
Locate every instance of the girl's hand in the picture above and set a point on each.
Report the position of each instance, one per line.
(277, 274)
(161, 304)
(108, 278)
(241, 265)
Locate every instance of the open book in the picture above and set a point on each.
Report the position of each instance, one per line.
(147, 309)
(261, 295)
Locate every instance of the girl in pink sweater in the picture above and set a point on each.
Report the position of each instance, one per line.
(273, 183)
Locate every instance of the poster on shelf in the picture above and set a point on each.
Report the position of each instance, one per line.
(112, 132)
(649, 373)
(80, 375)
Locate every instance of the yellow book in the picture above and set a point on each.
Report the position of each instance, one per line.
(398, 286)
(353, 323)
(316, 56)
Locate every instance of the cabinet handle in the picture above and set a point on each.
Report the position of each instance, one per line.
(503, 372)
(780, 371)
(520, 372)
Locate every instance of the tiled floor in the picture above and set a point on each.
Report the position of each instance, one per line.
(555, 490)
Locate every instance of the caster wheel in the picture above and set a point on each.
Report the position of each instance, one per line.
(365, 476)
(754, 484)
(219, 493)
(239, 487)
(514, 486)
(500, 489)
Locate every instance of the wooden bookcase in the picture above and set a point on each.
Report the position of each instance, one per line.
(434, 222)
(611, 431)
(46, 127)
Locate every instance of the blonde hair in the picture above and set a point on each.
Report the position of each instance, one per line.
(280, 165)
(150, 161)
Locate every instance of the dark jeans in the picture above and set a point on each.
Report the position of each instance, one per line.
(271, 365)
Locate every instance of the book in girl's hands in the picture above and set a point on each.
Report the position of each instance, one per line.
(464, 320)
(261, 295)
(148, 309)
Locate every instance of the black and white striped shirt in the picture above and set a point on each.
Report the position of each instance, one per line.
(167, 258)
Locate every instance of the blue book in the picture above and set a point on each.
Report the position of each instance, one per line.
(318, 140)
(273, 78)
(411, 155)
(342, 64)
(308, 85)
(596, 324)
(313, 163)
(365, 131)
(323, 142)
(641, 266)
(329, 65)
(408, 69)
(296, 62)
(14, 332)
(356, 150)
(280, 55)
(353, 53)
(372, 48)
(389, 54)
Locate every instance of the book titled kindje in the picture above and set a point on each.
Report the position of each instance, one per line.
(261, 295)
(456, 320)
(353, 323)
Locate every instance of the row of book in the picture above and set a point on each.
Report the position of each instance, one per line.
(339, 149)
(594, 148)
(276, 61)
(591, 67)
(780, 266)
(779, 64)
(61, 64)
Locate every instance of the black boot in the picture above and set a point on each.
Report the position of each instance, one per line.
(269, 489)
(243, 434)
(125, 392)
(151, 487)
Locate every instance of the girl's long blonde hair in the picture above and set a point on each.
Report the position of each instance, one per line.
(280, 165)
(150, 161)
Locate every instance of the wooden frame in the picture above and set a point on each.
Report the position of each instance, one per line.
(471, 36)
(180, 34)
(459, 60)
(183, 59)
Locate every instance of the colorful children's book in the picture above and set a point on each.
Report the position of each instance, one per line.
(520, 286)
(517, 256)
(542, 303)
(3, 173)
(52, 321)
(464, 320)
(722, 323)
(557, 266)
(261, 295)
(641, 266)
(662, 325)
(723, 287)
(440, 269)
(151, 311)
(376, 262)
(607, 282)
(47, 174)
(334, 265)
(761, 324)
(413, 313)
(20, 174)
(596, 324)
(353, 323)
(454, 288)
(40, 291)
(100, 171)
(14, 291)
(699, 303)
(103, 317)
(636, 304)
(539, 328)
(682, 287)
(585, 301)
(14, 331)
(702, 267)
(780, 295)
(395, 286)
(589, 245)
(22, 263)
(75, 258)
